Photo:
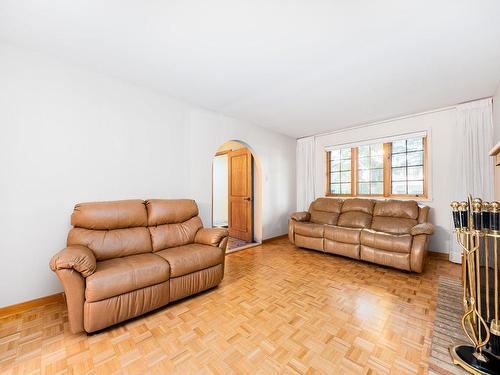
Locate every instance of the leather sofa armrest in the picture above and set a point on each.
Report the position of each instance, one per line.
(418, 252)
(76, 257)
(211, 236)
(424, 228)
(301, 216)
(74, 290)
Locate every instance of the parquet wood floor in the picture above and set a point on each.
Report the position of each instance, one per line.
(279, 310)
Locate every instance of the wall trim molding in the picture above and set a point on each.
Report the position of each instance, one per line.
(22, 306)
(439, 255)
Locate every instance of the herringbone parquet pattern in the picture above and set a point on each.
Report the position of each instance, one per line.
(279, 310)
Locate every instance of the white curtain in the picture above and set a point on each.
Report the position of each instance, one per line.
(305, 172)
(474, 174)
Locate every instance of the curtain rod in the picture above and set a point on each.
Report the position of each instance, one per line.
(403, 117)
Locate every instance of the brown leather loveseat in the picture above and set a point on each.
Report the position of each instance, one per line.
(125, 258)
(388, 232)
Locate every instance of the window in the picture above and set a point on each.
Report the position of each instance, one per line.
(407, 167)
(390, 169)
(371, 169)
(340, 163)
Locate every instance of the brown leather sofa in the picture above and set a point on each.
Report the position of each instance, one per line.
(392, 233)
(126, 258)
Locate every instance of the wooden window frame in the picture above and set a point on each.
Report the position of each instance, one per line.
(387, 176)
(354, 187)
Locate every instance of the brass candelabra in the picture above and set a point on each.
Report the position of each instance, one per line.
(477, 227)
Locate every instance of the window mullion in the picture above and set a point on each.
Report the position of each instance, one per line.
(354, 171)
(328, 174)
(387, 169)
(425, 192)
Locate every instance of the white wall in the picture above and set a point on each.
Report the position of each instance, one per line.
(274, 155)
(441, 140)
(220, 190)
(69, 135)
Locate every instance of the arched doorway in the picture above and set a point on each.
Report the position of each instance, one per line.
(236, 194)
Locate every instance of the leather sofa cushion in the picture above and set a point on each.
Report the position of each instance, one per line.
(321, 217)
(355, 219)
(172, 235)
(309, 229)
(110, 215)
(385, 258)
(340, 248)
(341, 234)
(191, 258)
(358, 205)
(386, 241)
(102, 314)
(396, 208)
(122, 275)
(309, 242)
(170, 211)
(107, 244)
(356, 213)
(325, 210)
(395, 217)
(195, 282)
(327, 205)
(392, 225)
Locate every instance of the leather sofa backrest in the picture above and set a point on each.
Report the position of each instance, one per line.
(395, 216)
(356, 213)
(423, 214)
(111, 229)
(325, 210)
(110, 215)
(172, 222)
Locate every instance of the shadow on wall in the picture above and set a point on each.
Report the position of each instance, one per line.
(441, 235)
(205, 210)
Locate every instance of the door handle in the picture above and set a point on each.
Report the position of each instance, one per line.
(247, 199)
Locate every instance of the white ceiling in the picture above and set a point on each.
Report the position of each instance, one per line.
(298, 67)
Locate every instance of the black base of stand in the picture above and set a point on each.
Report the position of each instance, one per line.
(463, 355)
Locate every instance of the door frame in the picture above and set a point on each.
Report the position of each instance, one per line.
(218, 153)
(257, 190)
(249, 219)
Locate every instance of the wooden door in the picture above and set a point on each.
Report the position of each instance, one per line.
(240, 194)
